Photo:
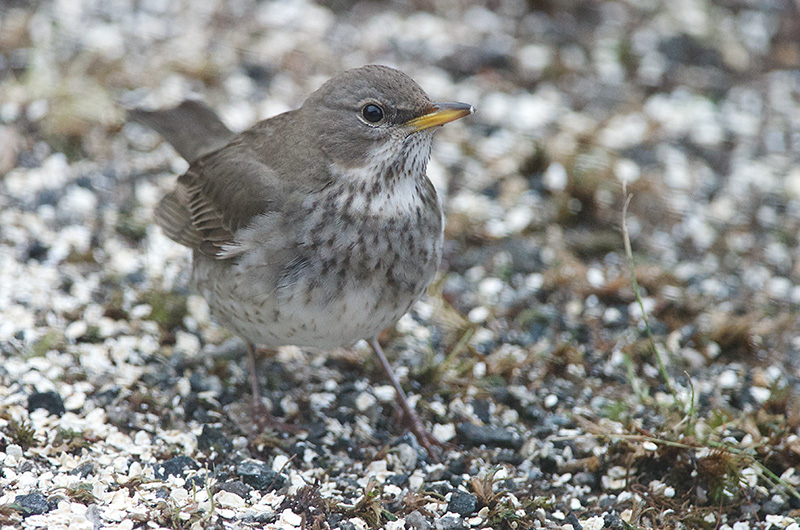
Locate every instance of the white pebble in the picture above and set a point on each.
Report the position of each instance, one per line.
(14, 451)
(76, 329)
(490, 287)
(444, 431)
(364, 401)
(519, 218)
(416, 480)
(593, 523)
(288, 517)
(555, 177)
(760, 394)
(727, 379)
(78, 201)
(226, 499)
(595, 277)
(627, 170)
(279, 463)
(478, 315)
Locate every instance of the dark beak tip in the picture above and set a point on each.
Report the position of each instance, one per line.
(454, 106)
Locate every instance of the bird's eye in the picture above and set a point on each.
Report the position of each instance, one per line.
(372, 113)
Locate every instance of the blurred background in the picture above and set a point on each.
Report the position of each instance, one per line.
(693, 106)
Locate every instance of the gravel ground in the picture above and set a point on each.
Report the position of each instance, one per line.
(123, 406)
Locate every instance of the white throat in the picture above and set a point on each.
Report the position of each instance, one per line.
(393, 178)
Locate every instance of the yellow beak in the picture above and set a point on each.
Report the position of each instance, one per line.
(440, 114)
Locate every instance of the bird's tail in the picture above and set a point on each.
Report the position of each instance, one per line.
(192, 128)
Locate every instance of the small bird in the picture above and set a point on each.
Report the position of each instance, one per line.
(318, 227)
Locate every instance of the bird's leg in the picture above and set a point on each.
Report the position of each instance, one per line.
(256, 404)
(425, 438)
(262, 417)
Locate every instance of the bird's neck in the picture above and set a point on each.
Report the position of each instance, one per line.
(392, 182)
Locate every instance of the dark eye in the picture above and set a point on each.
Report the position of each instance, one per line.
(372, 113)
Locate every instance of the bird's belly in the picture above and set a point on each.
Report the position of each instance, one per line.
(317, 309)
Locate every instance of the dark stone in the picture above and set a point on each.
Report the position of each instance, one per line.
(33, 503)
(50, 401)
(206, 383)
(451, 522)
(107, 397)
(468, 60)
(771, 506)
(265, 518)
(607, 502)
(687, 50)
(794, 502)
(535, 474)
(236, 486)
(573, 520)
(585, 478)
(47, 197)
(212, 438)
(162, 493)
(83, 470)
(462, 503)
(548, 464)
(37, 251)
(481, 407)
(477, 435)
(258, 72)
(259, 476)
(441, 487)
(457, 467)
(508, 456)
(613, 522)
(196, 481)
(416, 521)
(398, 480)
(454, 480)
(176, 467)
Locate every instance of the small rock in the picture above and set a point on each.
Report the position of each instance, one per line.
(416, 521)
(236, 486)
(477, 435)
(462, 503)
(32, 504)
(573, 520)
(176, 467)
(228, 499)
(399, 479)
(83, 470)
(50, 401)
(212, 438)
(260, 476)
(451, 522)
(613, 522)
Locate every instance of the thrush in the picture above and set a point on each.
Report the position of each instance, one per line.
(318, 227)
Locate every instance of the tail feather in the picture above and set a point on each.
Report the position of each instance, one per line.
(192, 128)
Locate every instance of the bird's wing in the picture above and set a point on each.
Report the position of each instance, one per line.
(220, 194)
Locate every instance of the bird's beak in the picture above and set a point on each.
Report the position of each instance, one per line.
(439, 114)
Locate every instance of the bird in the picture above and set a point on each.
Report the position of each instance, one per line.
(317, 227)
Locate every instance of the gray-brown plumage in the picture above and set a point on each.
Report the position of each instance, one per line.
(317, 227)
